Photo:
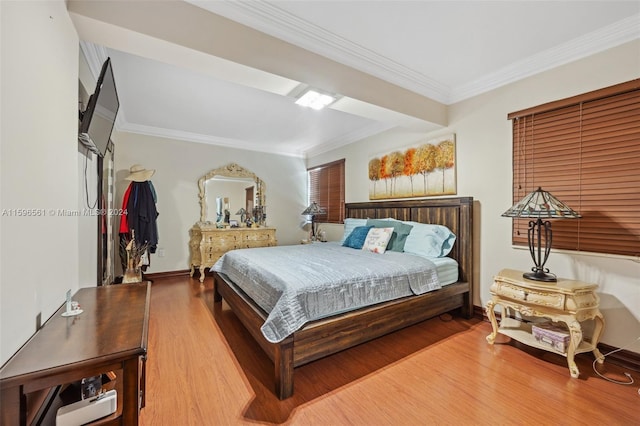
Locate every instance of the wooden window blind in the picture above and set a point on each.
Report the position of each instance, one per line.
(585, 150)
(326, 187)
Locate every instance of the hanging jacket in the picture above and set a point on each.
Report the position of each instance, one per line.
(142, 214)
(124, 226)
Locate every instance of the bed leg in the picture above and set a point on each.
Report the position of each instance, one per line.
(216, 295)
(467, 309)
(283, 361)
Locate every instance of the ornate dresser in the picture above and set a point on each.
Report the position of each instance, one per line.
(208, 243)
(567, 302)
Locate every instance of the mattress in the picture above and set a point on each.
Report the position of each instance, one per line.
(446, 269)
(302, 283)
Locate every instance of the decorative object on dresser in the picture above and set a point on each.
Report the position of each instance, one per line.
(540, 205)
(565, 303)
(314, 210)
(242, 213)
(228, 187)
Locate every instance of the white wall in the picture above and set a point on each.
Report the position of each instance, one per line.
(180, 164)
(483, 141)
(39, 169)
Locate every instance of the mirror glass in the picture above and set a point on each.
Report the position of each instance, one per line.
(227, 190)
(225, 196)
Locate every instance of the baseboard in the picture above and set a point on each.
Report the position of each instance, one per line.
(479, 313)
(623, 358)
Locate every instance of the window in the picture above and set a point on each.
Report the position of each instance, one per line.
(585, 150)
(326, 187)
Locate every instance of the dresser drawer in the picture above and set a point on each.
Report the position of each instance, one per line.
(533, 297)
(539, 298)
(506, 290)
(212, 257)
(257, 236)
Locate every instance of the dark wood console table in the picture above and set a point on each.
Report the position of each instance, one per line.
(110, 335)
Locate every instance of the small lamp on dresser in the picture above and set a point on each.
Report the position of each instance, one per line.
(539, 205)
(242, 213)
(313, 210)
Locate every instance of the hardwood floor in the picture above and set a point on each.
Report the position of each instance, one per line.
(206, 370)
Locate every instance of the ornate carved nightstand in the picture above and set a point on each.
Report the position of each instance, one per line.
(566, 301)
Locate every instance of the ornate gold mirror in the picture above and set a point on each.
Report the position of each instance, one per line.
(224, 191)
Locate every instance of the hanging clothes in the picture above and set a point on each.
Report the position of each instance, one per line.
(124, 226)
(139, 214)
(142, 214)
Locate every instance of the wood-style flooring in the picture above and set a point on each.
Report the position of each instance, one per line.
(203, 368)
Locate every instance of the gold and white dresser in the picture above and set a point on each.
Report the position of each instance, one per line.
(208, 243)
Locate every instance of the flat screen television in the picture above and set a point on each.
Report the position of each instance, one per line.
(98, 118)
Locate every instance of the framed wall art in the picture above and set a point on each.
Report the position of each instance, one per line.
(425, 169)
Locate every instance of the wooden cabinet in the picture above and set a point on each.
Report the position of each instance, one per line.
(208, 243)
(565, 301)
(110, 335)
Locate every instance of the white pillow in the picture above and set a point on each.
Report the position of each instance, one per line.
(377, 240)
(349, 226)
(429, 240)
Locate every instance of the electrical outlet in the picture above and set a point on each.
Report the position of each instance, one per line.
(160, 252)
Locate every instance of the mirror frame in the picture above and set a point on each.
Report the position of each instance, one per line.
(231, 170)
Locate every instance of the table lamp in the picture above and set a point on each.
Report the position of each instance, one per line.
(242, 213)
(539, 205)
(312, 210)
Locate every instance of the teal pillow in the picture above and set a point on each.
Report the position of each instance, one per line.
(349, 226)
(356, 237)
(400, 232)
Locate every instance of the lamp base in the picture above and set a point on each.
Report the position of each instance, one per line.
(540, 276)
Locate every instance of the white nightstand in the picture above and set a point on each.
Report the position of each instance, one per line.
(565, 301)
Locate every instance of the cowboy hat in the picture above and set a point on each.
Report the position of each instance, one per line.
(137, 173)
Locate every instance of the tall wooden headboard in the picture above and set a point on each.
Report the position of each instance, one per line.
(455, 213)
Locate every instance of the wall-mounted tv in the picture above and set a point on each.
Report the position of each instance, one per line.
(99, 117)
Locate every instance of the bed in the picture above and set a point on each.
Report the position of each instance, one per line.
(319, 338)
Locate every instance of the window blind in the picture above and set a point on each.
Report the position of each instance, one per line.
(326, 187)
(585, 150)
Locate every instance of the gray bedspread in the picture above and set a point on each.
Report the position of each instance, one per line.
(301, 283)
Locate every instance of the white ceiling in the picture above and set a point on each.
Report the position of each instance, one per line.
(443, 50)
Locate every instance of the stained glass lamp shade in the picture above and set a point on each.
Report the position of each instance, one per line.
(537, 206)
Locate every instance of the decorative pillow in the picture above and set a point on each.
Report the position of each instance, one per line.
(349, 225)
(377, 239)
(429, 240)
(356, 237)
(400, 232)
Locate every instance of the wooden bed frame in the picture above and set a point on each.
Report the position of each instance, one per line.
(324, 337)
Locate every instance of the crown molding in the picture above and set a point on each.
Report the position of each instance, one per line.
(346, 139)
(272, 20)
(309, 150)
(180, 135)
(95, 56)
(608, 37)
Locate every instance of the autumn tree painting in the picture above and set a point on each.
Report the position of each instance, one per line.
(374, 172)
(422, 170)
